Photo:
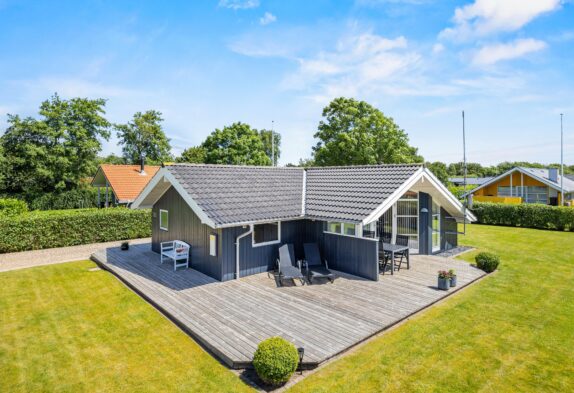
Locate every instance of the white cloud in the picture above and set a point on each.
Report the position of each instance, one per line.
(437, 48)
(484, 17)
(267, 18)
(239, 4)
(491, 54)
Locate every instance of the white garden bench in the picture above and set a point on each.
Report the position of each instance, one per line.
(176, 251)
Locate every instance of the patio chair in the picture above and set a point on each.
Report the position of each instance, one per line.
(286, 270)
(313, 264)
(177, 251)
(384, 258)
(402, 241)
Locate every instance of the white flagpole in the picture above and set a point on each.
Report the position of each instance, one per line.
(561, 160)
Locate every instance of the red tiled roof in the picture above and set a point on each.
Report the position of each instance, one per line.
(126, 180)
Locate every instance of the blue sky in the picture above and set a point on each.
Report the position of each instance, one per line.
(206, 64)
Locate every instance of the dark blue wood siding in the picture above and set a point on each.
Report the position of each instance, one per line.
(448, 231)
(425, 229)
(185, 225)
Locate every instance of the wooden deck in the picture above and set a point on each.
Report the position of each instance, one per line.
(231, 318)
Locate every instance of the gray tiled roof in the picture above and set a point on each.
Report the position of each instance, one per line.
(242, 194)
(234, 194)
(352, 193)
(543, 173)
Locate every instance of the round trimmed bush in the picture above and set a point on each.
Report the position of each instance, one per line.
(275, 360)
(487, 261)
(12, 207)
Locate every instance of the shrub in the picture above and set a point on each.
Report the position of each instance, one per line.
(74, 199)
(275, 360)
(525, 215)
(487, 261)
(11, 207)
(60, 228)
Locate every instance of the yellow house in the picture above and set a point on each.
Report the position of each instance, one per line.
(526, 185)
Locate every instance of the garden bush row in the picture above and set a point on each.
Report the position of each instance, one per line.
(60, 228)
(525, 215)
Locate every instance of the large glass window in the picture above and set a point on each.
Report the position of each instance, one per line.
(334, 227)
(267, 233)
(349, 229)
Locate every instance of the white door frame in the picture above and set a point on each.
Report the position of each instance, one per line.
(437, 247)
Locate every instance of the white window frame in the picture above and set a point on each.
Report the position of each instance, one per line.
(439, 234)
(253, 244)
(166, 228)
(358, 230)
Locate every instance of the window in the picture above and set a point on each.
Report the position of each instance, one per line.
(163, 220)
(334, 227)
(213, 245)
(341, 228)
(349, 229)
(264, 234)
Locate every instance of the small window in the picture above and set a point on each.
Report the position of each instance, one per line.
(334, 227)
(163, 220)
(349, 229)
(268, 233)
(213, 245)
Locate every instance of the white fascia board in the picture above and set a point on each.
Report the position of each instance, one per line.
(395, 196)
(190, 201)
(148, 188)
(164, 174)
(447, 194)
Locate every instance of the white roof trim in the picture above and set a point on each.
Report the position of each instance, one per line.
(395, 196)
(164, 173)
(516, 169)
(399, 192)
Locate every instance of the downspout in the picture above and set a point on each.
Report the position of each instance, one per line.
(237, 242)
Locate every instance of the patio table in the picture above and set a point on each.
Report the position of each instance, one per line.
(393, 249)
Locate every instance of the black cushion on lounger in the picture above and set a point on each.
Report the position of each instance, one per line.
(286, 268)
(315, 267)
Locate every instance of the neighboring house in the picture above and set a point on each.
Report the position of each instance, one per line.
(470, 181)
(121, 184)
(525, 185)
(236, 217)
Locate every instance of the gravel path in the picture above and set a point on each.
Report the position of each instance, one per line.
(24, 259)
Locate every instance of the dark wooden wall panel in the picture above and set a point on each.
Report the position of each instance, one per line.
(449, 229)
(185, 225)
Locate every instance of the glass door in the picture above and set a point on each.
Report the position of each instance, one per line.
(401, 219)
(435, 227)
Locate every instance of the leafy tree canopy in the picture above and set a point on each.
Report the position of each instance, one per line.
(440, 170)
(193, 155)
(355, 133)
(237, 144)
(111, 159)
(57, 151)
(144, 136)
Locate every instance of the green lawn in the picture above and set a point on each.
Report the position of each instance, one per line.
(513, 331)
(64, 328)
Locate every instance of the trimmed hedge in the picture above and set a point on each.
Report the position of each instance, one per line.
(560, 218)
(60, 228)
(11, 207)
(275, 360)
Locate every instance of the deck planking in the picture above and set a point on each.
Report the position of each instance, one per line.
(231, 318)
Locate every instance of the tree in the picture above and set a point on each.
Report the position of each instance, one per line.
(237, 144)
(440, 171)
(356, 133)
(193, 155)
(265, 136)
(144, 136)
(56, 152)
(111, 159)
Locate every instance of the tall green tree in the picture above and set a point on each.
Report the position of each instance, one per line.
(57, 151)
(193, 155)
(144, 136)
(355, 133)
(265, 136)
(440, 170)
(237, 144)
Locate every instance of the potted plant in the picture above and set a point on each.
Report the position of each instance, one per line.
(452, 276)
(443, 280)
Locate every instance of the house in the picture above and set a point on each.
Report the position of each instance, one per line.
(236, 217)
(121, 183)
(470, 181)
(526, 185)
